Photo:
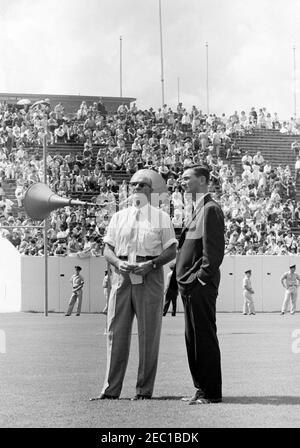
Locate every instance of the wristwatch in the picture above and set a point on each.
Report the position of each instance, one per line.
(154, 264)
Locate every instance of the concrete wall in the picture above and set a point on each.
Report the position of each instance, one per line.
(266, 272)
(10, 277)
(60, 270)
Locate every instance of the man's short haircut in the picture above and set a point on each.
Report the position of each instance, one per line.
(199, 170)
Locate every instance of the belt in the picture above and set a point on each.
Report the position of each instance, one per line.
(138, 258)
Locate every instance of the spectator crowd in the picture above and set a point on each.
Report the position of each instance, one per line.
(259, 205)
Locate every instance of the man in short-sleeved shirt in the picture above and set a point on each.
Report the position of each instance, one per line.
(248, 307)
(290, 281)
(77, 284)
(139, 241)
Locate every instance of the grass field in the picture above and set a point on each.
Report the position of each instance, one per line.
(53, 365)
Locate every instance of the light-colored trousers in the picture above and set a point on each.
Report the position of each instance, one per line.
(248, 306)
(290, 296)
(145, 301)
(106, 296)
(75, 296)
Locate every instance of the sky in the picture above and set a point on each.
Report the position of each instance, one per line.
(73, 47)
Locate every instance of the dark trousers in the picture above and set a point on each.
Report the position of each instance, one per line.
(201, 339)
(170, 297)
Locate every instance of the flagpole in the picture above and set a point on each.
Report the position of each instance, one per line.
(295, 84)
(161, 57)
(121, 74)
(207, 88)
(45, 230)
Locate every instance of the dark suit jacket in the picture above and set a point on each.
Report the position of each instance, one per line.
(201, 246)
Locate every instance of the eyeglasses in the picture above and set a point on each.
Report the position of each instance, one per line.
(140, 184)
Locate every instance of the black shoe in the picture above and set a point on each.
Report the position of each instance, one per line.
(173, 314)
(67, 314)
(207, 401)
(77, 314)
(141, 397)
(104, 397)
(198, 394)
(282, 313)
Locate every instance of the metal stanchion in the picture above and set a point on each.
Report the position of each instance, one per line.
(45, 230)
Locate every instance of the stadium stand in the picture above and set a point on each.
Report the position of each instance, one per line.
(93, 153)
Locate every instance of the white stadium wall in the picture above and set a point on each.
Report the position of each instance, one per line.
(266, 273)
(60, 270)
(10, 277)
(22, 281)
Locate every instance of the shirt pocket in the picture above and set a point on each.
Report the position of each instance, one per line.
(151, 238)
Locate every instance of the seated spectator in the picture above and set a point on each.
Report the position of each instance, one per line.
(297, 167)
(6, 206)
(246, 159)
(171, 183)
(267, 168)
(79, 184)
(217, 141)
(258, 159)
(19, 194)
(284, 128)
(73, 246)
(122, 109)
(136, 145)
(60, 135)
(90, 123)
(295, 146)
(60, 250)
(82, 111)
(59, 113)
(163, 170)
(101, 108)
(177, 219)
(261, 119)
(276, 122)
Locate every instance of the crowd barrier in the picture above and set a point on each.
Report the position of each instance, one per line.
(22, 281)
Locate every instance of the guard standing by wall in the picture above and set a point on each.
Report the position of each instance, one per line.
(248, 292)
(290, 281)
(77, 283)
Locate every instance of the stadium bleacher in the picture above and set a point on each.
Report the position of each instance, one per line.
(170, 138)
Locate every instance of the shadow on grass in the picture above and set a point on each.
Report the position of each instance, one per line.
(269, 399)
(266, 400)
(161, 398)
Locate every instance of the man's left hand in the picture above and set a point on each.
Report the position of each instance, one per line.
(143, 268)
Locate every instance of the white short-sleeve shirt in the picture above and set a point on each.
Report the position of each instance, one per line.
(151, 234)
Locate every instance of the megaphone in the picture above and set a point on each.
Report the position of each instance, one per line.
(40, 201)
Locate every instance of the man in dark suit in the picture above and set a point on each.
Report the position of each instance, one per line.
(200, 254)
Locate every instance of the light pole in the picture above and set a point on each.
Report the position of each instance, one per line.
(295, 83)
(45, 230)
(121, 80)
(161, 58)
(207, 88)
(178, 97)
